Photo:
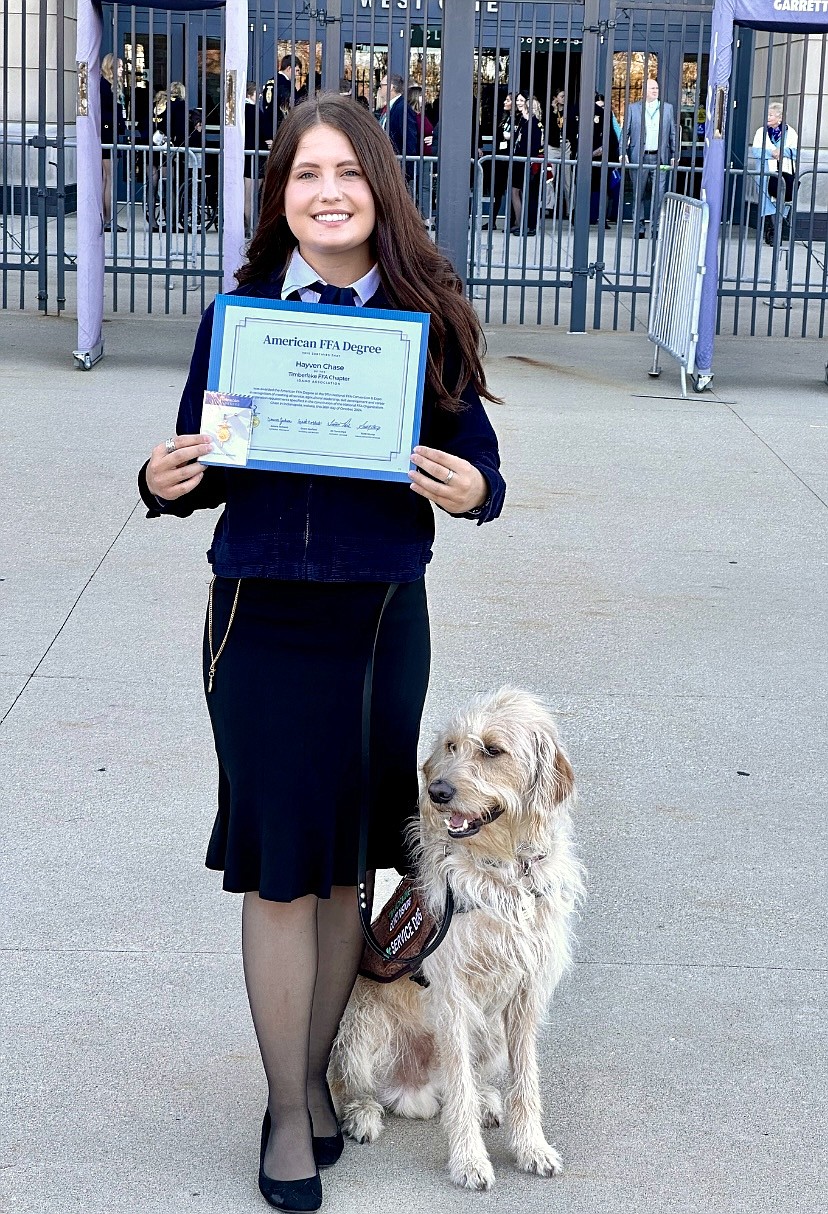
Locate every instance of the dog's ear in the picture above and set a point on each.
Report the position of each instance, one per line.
(566, 776)
(553, 779)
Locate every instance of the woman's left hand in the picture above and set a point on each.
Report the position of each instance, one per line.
(457, 485)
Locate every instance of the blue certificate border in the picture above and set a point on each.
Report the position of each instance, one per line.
(225, 302)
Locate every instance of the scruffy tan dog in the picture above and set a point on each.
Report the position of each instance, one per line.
(494, 822)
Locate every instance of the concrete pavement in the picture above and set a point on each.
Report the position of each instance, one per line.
(659, 574)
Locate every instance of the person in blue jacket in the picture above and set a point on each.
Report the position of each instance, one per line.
(303, 566)
(399, 120)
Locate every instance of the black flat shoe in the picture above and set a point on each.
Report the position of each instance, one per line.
(294, 1196)
(326, 1151)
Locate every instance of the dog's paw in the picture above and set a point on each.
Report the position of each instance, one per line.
(543, 1160)
(491, 1108)
(362, 1120)
(471, 1173)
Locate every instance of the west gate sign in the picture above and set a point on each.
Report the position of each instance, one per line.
(485, 6)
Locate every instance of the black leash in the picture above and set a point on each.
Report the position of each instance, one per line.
(365, 820)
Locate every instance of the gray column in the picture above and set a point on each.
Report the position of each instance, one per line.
(583, 169)
(456, 92)
(332, 49)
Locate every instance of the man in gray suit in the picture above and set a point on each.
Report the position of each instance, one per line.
(649, 144)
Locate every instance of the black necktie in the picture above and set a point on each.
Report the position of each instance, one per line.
(342, 296)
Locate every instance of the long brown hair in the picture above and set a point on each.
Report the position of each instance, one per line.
(415, 275)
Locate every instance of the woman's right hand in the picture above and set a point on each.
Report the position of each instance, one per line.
(171, 474)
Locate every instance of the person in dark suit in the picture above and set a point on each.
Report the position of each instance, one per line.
(177, 114)
(303, 93)
(253, 144)
(113, 130)
(278, 96)
(347, 88)
(497, 177)
(650, 146)
(399, 120)
(601, 123)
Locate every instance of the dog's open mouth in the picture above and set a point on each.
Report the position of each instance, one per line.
(459, 826)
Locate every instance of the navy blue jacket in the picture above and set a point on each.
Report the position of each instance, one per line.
(403, 132)
(110, 133)
(324, 528)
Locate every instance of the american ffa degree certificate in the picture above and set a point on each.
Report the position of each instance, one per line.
(336, 391)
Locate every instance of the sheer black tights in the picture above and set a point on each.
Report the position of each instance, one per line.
(300, 964)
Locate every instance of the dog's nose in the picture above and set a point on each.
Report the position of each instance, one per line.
(441, 791)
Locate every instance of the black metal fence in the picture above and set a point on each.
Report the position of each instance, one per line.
(538, 160)
(34, 193)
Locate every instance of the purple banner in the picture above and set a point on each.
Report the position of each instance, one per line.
(235, 66)
(794, 16)
(90, 259)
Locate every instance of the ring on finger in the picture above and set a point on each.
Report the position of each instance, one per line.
(450, 475)
(169, 446)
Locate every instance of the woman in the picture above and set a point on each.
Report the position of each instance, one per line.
(499, 168)
(169, 123)
(775, 150)
(424, 127)
(303, 566)
(177, 113)
(113, 129)
(253, 145)
(599, 125)
(528, 142)
(561, 140)
(158, 139)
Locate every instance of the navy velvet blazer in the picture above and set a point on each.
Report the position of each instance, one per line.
(403, 131)
(324, 528)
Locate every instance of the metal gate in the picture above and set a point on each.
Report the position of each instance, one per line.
(564, 216)
(34, 196)
(523, 164)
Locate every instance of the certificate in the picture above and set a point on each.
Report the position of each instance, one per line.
(333, 390)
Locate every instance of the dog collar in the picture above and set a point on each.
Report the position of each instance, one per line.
(524, 863)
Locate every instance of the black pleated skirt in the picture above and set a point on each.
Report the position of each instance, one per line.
(286, 712)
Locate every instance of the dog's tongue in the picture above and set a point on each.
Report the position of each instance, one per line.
(457, 821)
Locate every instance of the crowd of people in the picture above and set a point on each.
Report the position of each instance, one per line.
(160, 123)
(524, 147)
(547, 145)
(163, 121)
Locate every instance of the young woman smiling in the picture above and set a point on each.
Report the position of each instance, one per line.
(303, 565)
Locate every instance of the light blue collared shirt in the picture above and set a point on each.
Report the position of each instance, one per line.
(300, 275)
(651, 124)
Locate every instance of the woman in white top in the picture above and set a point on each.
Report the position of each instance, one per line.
(775, 149)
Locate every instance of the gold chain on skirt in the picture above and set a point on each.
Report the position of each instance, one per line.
(214, 657)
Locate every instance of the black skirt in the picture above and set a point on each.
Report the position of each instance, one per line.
(286, 711)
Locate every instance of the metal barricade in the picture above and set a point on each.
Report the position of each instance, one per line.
(421, 175)
(677, 281)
